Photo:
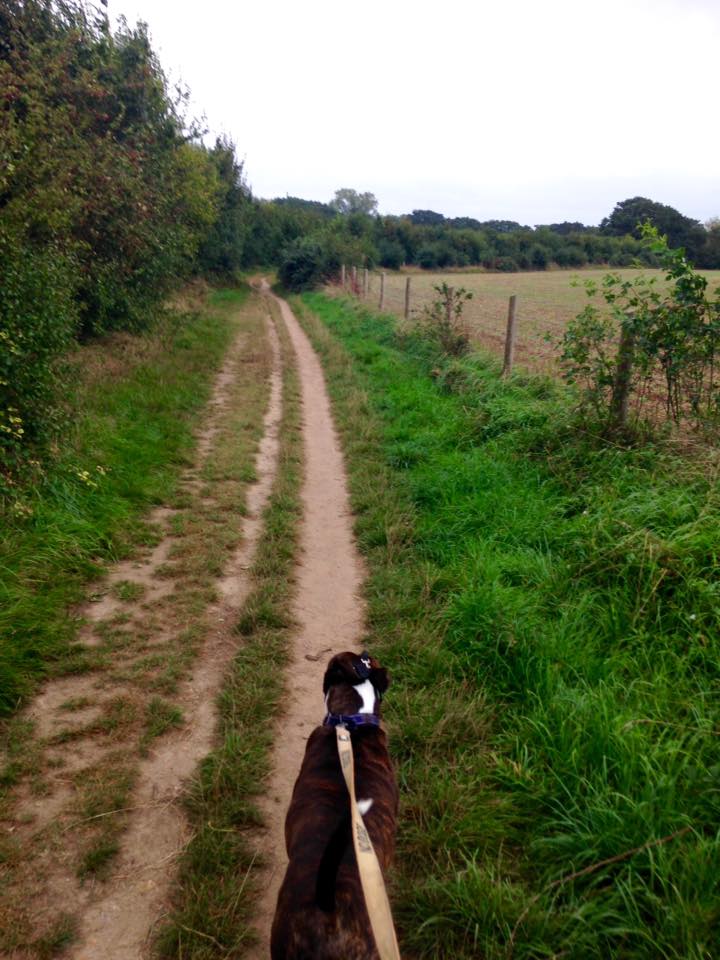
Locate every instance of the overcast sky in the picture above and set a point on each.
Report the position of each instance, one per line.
(529, 111)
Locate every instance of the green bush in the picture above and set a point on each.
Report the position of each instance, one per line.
(391, 254)
(619, 355)
(303, 265)
(538, 258)
(104, 201)
(570, 256)
(428, 256)
(37, 323)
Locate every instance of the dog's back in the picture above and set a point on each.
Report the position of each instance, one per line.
(321, 912)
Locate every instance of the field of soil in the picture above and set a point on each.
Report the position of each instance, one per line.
(546, 301)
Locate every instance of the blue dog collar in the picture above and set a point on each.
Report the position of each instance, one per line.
(351, 720)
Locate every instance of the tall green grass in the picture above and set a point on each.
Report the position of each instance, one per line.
(549, 608)
(134, 415)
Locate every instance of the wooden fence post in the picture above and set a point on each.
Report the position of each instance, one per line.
(342, 276)
(382, 291)
(365, 283)
(407, 297)
(448, 307)
(623, 378)
(510, 337)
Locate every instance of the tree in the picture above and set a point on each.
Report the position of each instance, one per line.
(347, 201)
(464, 223)
(223, 249)
(310, 206)
(391, 254)
(502, 226)
(710, 255)
(564, 228)
(426, 218)
(681, 231)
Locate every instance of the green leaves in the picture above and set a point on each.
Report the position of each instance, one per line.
(668, 338)
(103, 202)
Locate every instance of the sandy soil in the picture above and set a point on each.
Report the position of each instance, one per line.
(327, 608)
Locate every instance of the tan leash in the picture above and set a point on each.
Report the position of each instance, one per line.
(371, 878)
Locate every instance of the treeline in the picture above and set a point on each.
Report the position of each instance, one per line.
(429, 240)
(393, 242)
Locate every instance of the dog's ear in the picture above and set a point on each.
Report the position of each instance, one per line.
(340, 670)
(379, 679)
(333, 675)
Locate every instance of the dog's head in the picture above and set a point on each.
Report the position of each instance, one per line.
(354, 683)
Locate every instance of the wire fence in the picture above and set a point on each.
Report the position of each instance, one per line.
(501, 320)
(519, 318)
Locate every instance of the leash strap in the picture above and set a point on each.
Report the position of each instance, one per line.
(371, 878)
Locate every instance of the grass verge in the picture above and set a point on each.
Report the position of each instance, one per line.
(138, 401)
(213, 899)
(548, 607)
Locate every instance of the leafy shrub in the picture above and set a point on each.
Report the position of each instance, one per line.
(570, 256)
(103, 199)
(303, 265)
(223, 250)
(428, 256)
(391, 254)
(621, 260)
(538, 258)
(446, 256)
(506, 264)
(646, 337)
(442, 322)
(37, 323)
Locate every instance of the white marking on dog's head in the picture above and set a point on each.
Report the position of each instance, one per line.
(367, 692)
(364, 806)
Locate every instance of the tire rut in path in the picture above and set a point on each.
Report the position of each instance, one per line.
(327, 608)
(119, 924)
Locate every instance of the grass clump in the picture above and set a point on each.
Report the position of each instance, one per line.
(60, 935)
(546, 603)
(128, 591)
(160, 716)
(96, 860)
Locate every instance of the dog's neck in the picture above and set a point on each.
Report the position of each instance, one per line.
(348, 699)
(344, 698)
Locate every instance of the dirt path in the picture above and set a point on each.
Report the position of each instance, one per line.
(328, 610)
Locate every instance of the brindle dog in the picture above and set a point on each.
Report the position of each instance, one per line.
(321, 912)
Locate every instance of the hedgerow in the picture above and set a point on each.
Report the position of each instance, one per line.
(104, 200)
